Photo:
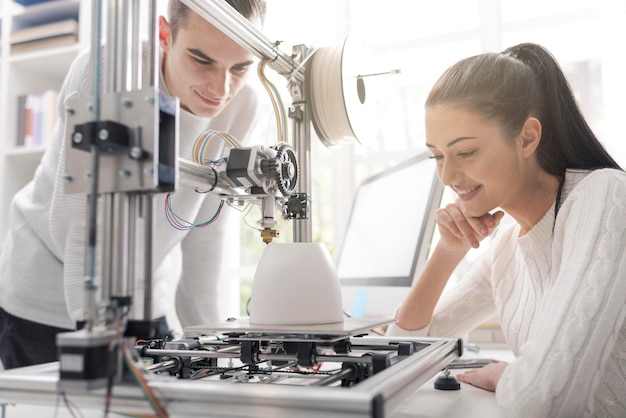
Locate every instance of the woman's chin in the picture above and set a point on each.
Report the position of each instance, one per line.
(475, 211)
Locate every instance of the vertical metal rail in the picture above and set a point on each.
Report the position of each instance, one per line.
(153, 42)
(107, 246)
(147, 200)
(90, 303)
(120, 235)
(122, 71)
(133, 243)
(301, 124)
(148, 211)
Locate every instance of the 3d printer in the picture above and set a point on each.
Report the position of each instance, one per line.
(121, 151)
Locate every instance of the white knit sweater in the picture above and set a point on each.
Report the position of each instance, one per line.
(42, 263)
(560, 295)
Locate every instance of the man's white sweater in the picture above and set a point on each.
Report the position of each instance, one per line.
(560, 295)
(42, 265)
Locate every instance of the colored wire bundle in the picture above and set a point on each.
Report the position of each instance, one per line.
(199, 150)
(201, 145)
(143, 384)
(61, 395)
(183, 224)
(277, 103)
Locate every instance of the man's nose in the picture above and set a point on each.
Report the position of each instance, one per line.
(219, 84)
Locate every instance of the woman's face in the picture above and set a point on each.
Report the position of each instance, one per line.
(474, 158)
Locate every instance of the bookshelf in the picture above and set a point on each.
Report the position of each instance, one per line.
(37, 45)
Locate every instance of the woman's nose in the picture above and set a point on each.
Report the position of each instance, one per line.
(447, 172)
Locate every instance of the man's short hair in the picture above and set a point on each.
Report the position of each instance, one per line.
(178, 12)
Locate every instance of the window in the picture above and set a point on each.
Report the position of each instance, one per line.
(422, 39)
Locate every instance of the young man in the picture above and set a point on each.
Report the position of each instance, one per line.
(42, 263)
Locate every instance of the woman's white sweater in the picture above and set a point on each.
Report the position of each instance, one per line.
(560, 295)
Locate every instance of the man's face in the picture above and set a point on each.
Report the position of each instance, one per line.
(203, 67)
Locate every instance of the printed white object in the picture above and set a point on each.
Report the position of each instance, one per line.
(296, 284)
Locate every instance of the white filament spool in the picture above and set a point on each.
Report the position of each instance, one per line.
(343, 109)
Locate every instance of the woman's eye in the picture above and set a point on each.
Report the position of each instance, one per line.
(436, 157)
(467, 154)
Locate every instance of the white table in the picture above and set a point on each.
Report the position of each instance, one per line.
(468, 402)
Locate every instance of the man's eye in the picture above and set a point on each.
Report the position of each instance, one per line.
(201, 61)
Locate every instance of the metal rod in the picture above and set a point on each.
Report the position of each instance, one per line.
(190, 353)
(107, 245)
(124, 22)
(207, 179)
(90, 267)
(221, 15)
(110, 46)
(262, 357)
(162, 366)
(149, 219)
(135, 48)
(346, 373)
(96, 56)
(131, 252)
(301, 122)
(119, 255)
(153, 56)
(201, 173)
(169, 365)
(390, 72)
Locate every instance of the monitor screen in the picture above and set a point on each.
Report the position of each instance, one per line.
(391, 225)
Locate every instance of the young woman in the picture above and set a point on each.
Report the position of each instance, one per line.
(508, 137)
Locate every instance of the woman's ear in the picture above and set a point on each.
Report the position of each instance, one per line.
(530, 136)
(164, 33)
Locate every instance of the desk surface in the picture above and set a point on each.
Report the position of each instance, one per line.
(468, 402)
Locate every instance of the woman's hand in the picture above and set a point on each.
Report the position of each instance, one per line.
(460, 232)
(486, 377)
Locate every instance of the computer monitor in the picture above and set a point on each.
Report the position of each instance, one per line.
(388, 237)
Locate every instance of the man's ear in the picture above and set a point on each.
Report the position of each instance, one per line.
(530, 136)
(164, 34)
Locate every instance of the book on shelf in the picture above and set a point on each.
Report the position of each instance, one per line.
(30, 2)
(47, 35)
(37, 114)
(44, 43)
